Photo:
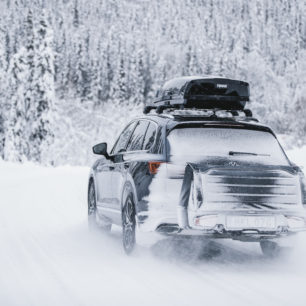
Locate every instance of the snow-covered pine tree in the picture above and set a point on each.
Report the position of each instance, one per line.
(61, 58)
(136, 77)
(3, 65)
(76, 20)
(31, 93)
(20, 95)
(141, 79)
(118, 90)
(41, 135)
(81, 69)
(96, 82)
(106, 71)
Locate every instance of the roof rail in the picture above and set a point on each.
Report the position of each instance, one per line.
(245, 115)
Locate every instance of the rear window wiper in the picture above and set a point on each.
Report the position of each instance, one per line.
(246, 153)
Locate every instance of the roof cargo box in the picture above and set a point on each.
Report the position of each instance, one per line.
(202, 93)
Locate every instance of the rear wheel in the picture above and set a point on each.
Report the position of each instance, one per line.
(129, 225)
(94, 221)
(270, 248)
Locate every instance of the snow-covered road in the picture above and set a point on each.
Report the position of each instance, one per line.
(48, 257)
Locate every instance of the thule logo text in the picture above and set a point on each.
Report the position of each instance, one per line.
(222, 86)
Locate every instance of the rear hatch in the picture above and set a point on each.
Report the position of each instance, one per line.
(237, 186)
(238, 168)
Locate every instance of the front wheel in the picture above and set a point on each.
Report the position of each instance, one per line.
(129, 225)
(94, 222)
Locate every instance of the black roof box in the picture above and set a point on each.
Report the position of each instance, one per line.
(202, 93)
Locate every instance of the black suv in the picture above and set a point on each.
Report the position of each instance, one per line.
(211, 172)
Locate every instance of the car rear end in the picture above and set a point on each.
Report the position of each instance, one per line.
(246, 203)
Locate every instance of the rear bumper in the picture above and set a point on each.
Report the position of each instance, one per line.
(242, 235)
(167, 224)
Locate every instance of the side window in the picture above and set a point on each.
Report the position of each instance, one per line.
(160, 142)
(123, 139)
(136, 141)
(150, 137)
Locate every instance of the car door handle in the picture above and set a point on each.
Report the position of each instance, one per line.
(126, 166)
(111, 167)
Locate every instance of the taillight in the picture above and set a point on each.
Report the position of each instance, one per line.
(153, 166)
(303, 184)
(303, 187)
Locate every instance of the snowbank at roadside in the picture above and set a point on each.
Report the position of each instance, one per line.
(48, 257)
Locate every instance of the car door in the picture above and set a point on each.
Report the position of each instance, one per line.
(126, 160)
(103, 178)
(104, 172)
(140, 172)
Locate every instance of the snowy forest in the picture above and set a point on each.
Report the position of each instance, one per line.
(73, 72)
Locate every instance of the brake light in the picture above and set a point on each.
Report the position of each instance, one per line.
(303, 188)
(303, 185)
(206, 221)
(153, 166)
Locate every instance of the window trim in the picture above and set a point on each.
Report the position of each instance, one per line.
(156, 130)
(111, 152)
(136, 151)
(138, 122)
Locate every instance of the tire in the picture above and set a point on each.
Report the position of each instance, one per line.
(270, 248)
(94, 222)
(129, 225)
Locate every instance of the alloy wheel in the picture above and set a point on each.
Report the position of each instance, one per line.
(128, 226)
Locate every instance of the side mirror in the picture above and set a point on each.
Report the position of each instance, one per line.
(100, 149)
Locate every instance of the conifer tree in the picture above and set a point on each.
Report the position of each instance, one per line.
(31, 85)
(41, 135)
(20, 85)
(3, 103)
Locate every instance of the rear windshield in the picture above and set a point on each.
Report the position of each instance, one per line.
(194, 144)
